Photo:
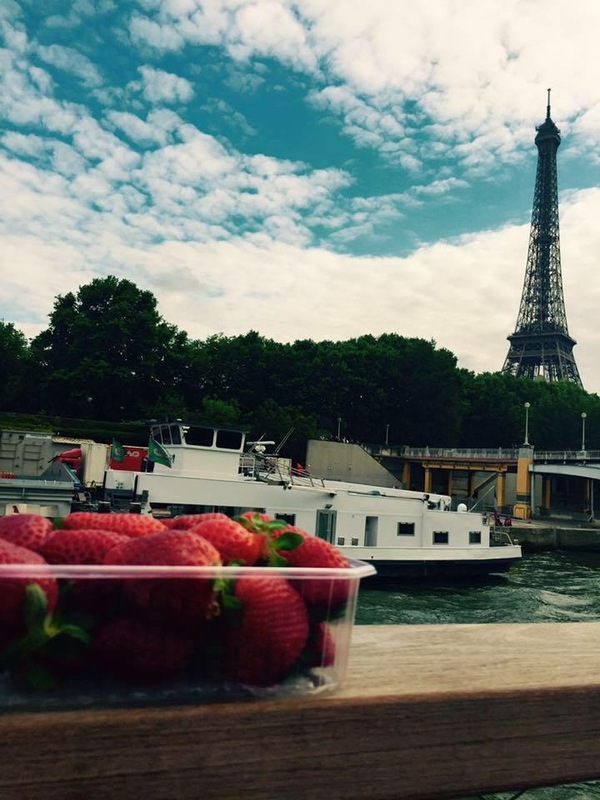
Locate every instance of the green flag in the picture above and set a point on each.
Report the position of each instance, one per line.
(117, 451)
(157, 453)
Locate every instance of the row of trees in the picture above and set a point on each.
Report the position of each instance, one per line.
(107, 354)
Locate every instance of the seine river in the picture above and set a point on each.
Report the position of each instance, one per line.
(550, 586)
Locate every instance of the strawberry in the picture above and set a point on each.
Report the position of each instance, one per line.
(132, 525)
(25, 530)
(46, 646)
(231, 539)
(176, 601)
(140, 652)
(315, 552)
(187, 521)
(254, 518)
(277, 535)
(169, 522)
(72, 546)
(14, 592)
(12, 589)
(270, 635)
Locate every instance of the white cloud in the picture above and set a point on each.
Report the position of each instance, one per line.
(476, 70)
(465, 294)
(71, 60)
(449, 91)
(159, 86)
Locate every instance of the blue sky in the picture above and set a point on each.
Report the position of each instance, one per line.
(316, 169)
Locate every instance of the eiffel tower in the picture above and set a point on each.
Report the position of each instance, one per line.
(541, 347)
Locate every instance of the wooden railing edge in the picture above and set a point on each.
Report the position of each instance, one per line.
(437, 711)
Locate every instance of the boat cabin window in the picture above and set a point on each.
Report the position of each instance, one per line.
(405, 529)
(474, 537)
(202, 437)
(229, 440)
(440, 537)
(167, 434)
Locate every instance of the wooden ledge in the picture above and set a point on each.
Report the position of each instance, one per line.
(427, 711)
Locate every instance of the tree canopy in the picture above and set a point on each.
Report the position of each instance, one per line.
(108, 355)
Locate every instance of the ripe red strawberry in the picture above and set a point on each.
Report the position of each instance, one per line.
(315, 552)
(169, 522)
(12, 589)
(249, 518)
(25, 530)
(187, 521)
(231, 539)
(174, 601)
(272, 632)
(277, 535)
(132, 525)
(138, 651)
(72, 546)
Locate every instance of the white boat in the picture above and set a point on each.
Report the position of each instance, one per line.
(402, 533)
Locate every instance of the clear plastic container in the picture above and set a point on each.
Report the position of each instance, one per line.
(88, 636)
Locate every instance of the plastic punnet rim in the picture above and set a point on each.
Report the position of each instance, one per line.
(356, 571)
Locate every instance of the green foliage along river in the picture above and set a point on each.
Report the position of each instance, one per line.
(551, 586)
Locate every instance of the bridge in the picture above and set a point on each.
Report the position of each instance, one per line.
(547, 482)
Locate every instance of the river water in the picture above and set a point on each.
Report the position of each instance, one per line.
(550, 586)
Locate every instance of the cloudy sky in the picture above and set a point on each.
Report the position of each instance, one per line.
(315, 169)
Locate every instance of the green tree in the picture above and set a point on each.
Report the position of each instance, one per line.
(108, 353)
(14, 363)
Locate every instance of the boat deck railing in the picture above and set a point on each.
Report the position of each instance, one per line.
(500, 537)
(426, 711)
(272, 469)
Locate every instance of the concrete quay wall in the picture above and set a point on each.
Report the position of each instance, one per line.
(555, 537)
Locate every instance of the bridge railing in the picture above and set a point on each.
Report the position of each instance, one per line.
(403, 451)
(478, 453)
(567, 455)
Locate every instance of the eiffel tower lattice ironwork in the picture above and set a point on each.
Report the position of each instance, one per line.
(541, 346)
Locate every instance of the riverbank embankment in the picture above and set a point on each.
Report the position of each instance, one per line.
(556, 534)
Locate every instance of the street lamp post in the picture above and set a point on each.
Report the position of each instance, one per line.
(527, 406)
(339, 428)
(387, 434)
(583, 418)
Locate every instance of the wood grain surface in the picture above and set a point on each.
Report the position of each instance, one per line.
(427, 711)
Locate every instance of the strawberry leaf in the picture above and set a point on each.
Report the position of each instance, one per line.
(288, 541)
(275, 560)
(35, 608)
(47, 636)
(258, 525)
(224, 587)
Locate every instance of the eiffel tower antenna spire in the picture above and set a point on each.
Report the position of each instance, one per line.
(540, 347)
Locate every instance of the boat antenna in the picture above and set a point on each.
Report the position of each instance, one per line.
(284, 440)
